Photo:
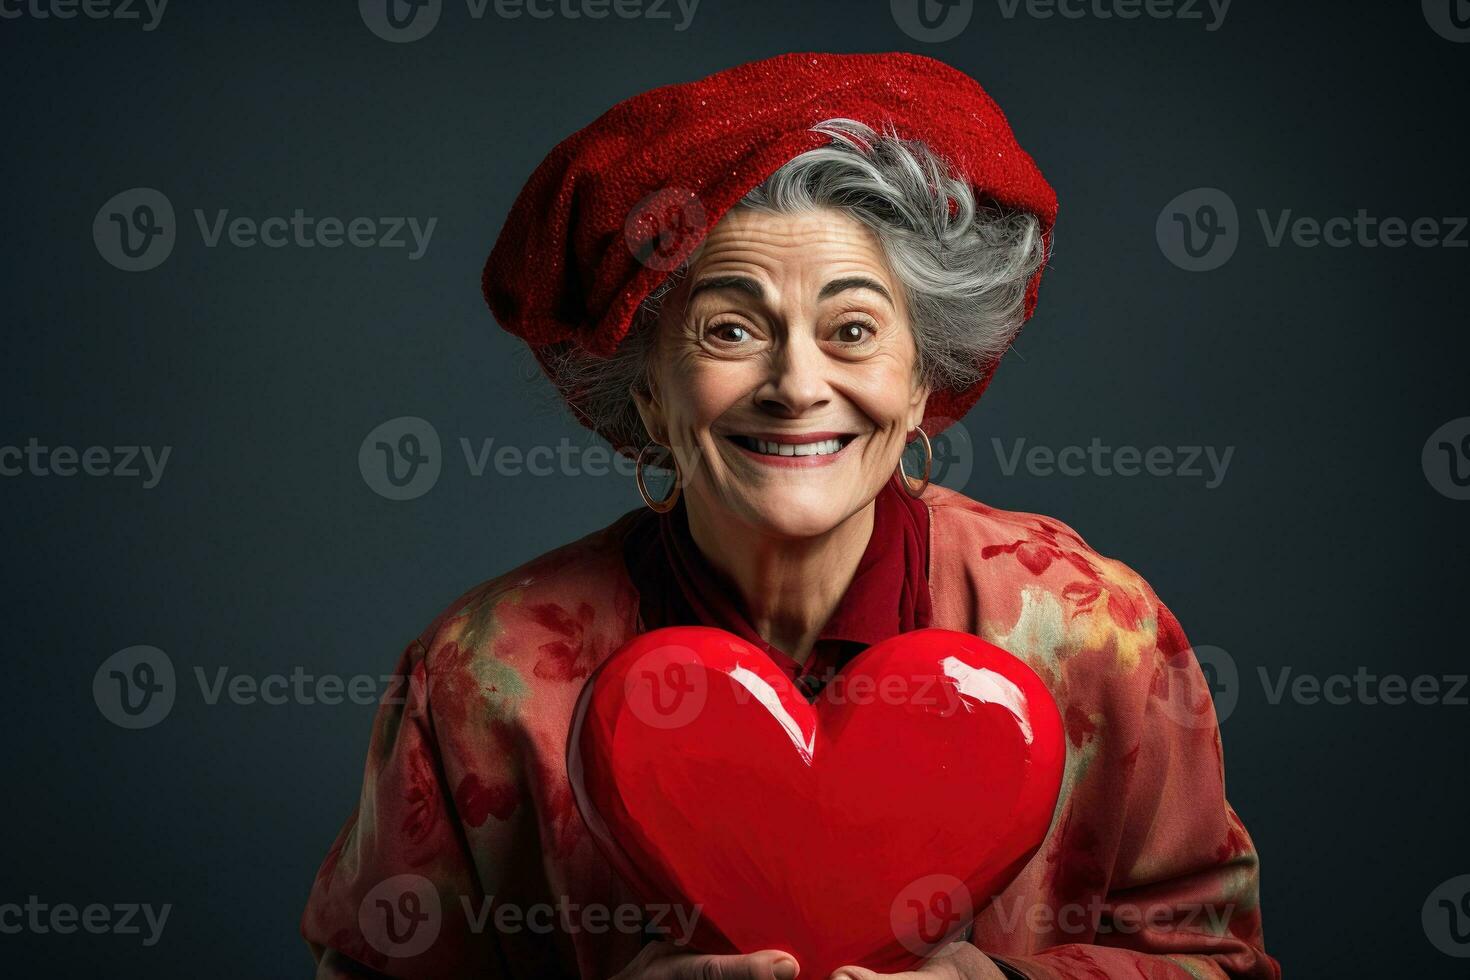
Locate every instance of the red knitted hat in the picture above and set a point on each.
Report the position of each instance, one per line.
(617, 206)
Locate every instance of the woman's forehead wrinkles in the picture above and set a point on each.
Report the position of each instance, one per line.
(823, 226)
(766, 249)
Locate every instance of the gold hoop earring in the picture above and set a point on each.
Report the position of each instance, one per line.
(657, 506)
(928, 465)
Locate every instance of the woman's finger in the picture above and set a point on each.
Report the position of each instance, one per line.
(766, 965)
(858, 973)
(958, 961)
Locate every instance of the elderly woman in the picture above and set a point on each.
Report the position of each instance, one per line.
(773, 280)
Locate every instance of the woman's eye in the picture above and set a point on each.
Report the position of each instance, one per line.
(853, 332)
(730, 333)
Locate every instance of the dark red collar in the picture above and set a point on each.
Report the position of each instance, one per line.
(889, 593)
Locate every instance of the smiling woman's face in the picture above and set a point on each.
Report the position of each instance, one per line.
(784, 375)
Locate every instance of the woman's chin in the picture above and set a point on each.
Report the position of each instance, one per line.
(796, 515)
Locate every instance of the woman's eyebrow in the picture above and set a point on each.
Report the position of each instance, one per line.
(752, 288)
(854, 282)
(744, 284)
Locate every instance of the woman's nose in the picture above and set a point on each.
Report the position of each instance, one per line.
(797, 381)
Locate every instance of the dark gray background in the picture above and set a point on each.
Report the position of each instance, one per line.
(1325, 548)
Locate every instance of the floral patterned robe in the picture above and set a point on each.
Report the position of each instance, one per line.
(1146, 871)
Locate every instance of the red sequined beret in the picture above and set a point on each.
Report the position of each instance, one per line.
(617, 206)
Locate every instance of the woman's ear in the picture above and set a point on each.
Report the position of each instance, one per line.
(650, 409)
(645, 390)
(917, 404)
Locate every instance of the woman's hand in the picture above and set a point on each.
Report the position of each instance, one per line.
(665, 961)
(957, 961)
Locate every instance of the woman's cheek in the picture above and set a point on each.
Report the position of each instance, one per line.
(690, 417)
(883, 392)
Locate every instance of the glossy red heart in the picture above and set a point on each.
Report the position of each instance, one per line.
(868, 828)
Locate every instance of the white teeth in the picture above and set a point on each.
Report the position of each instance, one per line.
(804, 449)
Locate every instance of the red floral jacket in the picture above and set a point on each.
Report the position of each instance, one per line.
(466, 856)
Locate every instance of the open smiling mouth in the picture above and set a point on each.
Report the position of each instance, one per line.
(815, 448)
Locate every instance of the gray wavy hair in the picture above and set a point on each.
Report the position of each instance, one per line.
(964, 266)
